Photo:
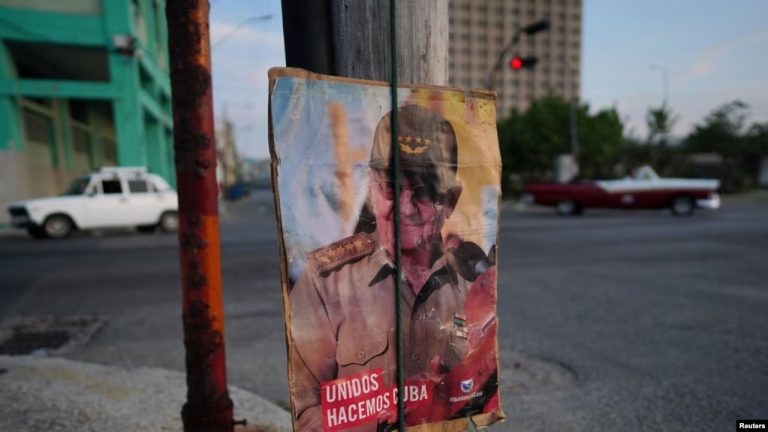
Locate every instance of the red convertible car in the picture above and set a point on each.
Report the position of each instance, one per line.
(644, 190)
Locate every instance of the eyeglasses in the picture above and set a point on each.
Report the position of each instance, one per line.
(420, 193)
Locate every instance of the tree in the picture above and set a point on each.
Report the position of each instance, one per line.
(530, 141)
(722, 131)
(660, 122)
(601, 137)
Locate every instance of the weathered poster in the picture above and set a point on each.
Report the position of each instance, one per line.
(334, 192)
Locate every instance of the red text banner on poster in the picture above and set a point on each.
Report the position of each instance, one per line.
(362, 398)
(353, 400)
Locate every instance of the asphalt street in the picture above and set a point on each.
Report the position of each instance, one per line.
(625, 321)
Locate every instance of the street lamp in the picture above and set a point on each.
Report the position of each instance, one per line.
(530, 30)
(664, 80)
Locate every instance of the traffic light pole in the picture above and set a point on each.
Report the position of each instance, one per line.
(530, 30)
(208, 407)
(491, 82)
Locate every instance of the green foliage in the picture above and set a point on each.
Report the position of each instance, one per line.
(530, 141)
(660, 122)
(724, 131)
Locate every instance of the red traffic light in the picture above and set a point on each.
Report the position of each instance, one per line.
(518, 62)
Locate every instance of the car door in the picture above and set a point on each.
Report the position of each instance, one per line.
(143, 201)
(107, 208)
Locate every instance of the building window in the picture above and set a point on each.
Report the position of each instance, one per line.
(110, 152)
(38, 126)
(78, 110)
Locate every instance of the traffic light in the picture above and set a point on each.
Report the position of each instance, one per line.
(538, 26)
(518, 62)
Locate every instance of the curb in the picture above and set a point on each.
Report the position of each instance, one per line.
(56, 394)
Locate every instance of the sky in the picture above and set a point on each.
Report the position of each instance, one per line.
(711, 52)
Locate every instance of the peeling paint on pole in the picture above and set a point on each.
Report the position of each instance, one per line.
(208, 407)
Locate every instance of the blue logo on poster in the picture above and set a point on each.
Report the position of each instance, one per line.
(466, 385)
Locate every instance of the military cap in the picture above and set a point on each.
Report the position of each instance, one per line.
(427, 144)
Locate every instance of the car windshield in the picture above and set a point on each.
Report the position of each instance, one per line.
(78, 186)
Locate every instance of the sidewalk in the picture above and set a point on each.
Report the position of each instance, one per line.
(59, 395)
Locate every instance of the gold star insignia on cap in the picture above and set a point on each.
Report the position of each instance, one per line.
(415, 149)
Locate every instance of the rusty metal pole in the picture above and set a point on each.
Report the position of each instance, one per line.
(208, 407)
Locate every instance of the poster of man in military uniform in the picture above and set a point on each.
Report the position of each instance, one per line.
(330, 140)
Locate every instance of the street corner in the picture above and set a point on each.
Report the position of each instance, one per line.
(78, 396)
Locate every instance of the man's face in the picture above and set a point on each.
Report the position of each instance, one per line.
(423, 210)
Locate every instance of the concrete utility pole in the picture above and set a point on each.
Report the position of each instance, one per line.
(355, 41)
(354, 34)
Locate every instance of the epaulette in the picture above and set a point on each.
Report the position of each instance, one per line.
(343, 251)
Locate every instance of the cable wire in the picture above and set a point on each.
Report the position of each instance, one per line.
(393, 124)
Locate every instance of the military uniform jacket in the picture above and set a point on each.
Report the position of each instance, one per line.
(343, 321)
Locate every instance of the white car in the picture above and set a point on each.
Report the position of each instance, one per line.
(110, 198)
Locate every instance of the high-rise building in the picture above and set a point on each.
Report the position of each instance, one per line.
(479, 31)
(83, 84)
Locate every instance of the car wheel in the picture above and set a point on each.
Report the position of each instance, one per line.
(36, 232)
(169, 221)
(682, 205)
(58, 226)
(568, 207)
(146, 229)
